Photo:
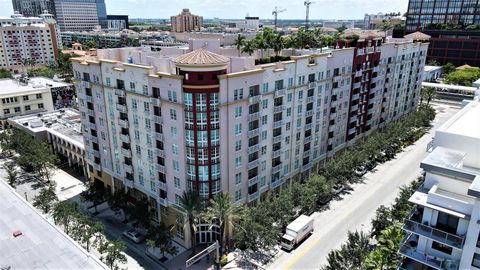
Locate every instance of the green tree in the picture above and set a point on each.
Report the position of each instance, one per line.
(190, 203)
(88, 232)
(351, 254)
(382, 220)
(113, 253)
(464, 77)
(250, 47)
(141, 213)
(386, 256)
(65, 213)
(428, 93)
(118, 203)
(12, 174)
(93, 194)
(261, 43)
(239, 43)
(448, 68)
(433, 62)
(161, 237)
(5, 73)
(46, 199)
(278, 44)
(223, 213)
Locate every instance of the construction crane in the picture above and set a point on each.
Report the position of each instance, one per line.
(275, 13)
(307, 4)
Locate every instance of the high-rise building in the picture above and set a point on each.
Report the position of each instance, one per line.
(32, 39)
(375, 21)
(80, 15)
(33, 8)
(186, 22)
(453, 25)
(201, 118)
(443, 229)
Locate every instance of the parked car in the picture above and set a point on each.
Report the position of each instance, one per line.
(134, 235)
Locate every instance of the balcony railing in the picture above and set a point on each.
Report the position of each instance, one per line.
(357, 85)
(120, 92)
(278, 124)
(124, 138)
(358, 73)
(158, 119)
(407, 250)
(280, 92)
(126, 152)
(254, 116)
(253, 180)
(277, 153)
(121, 108)
(123, 123)
(253, 149)
(278, 109)
(278, 138)
(90, 112)
(446, 238)
(253, 164)
(252, 197)
(160, 168)
(159, 136)
(128, 168)
(255, 99)
(155, 101)
(277, 183)
(253, 133)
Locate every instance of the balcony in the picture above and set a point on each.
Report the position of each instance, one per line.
(160, 168)
(278, 124)
(378, 49)
(123, 123)
(312, 84)
(277, 153)
(128, 168)
(158, 136)
(307, 139)
(358, 73)
(162, 185)
(159, 153)
(376, 69)
(277, 168)
(95, 153)
(89, 98)
(253, 180)
(360, 51)
(352, 131)
(356, 96)
(308, 126)
(126, 152)
(337, 78)
(253, 149)
(93, 139)
(97, 167)
(162, 201)
(354, 107)
(309, 113)
(120, 92)
(370, 50)
(253, 164)
(125, 138)
(307, 167)
(86, 84)
(333, 116)
(92, 126)
(158, 119)
(255, 99)
(121, 108)
(277, 138)
(253, 116)
(90, 112)
(253, 133)
(357, 85)
(280, 92)
(278, 109)
(413, 225)
(277, 183)
(155, 101)
(408, 249)
(310, 99)
(252, 197)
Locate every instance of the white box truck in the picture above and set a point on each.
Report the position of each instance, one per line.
(296, 231)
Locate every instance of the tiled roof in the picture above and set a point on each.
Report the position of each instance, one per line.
(201, 57)
(418, 36)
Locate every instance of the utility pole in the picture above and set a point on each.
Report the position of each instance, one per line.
(307, 4)
(275, 14)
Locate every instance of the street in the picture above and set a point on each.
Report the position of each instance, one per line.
(355, 210)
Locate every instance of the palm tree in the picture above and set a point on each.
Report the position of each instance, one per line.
(278, 44)
(224, 214)
(239, 43)
(190, 202)
(261, 43)
(250, 47)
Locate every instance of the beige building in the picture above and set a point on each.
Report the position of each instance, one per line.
(17, 98)
(186, 22)
(21, 38)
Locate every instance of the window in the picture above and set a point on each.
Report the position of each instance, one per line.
(172, 96)
(238, 195)
(238, 94)
(176, 166)
(289, 112)
(40, 106)
(264, 135)
(238, 145)
(442, 248)
(134, 104)
(238, 162)
(173, 114)
(146, 106)
(138, 149)
(6, 111)
(290, 82)
(176, 181)
(238, 178)
(263, 181)
(238, 129)
(17, 109)
(446, 222)
(263, 165)
(175, 149)
(148, 124)
(178, 199)
(173, 131)
(238, 112)
(153, 186)
(289, 97)
(38, 96)
(265, 88)
(265, 104)
(145, 90)
(25, 98)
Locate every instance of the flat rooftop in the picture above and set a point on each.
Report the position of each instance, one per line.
(65, 123)
(47, 81)
(9, 87)
(468, 123)
(42, 245)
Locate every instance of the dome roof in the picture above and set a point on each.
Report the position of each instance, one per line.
(200, 57)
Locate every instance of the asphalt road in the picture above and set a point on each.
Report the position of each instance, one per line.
(356, 209)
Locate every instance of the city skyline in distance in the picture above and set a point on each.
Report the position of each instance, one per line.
(209, 9)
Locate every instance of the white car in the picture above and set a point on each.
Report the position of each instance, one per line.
(134, 235)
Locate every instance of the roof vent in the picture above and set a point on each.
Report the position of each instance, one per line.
(17, 233)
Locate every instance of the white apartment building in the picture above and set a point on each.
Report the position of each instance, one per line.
(19, 98)
(443, 228)
(35, 39)
(201, 118)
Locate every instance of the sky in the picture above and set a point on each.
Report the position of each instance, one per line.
(236, 9)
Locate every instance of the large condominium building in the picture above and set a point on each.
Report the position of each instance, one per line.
(17, 98)
(186, 22)
(443, 228)
(80, 15)
(201, 118)
(33, 8)
(33, 39)
(454, 26)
